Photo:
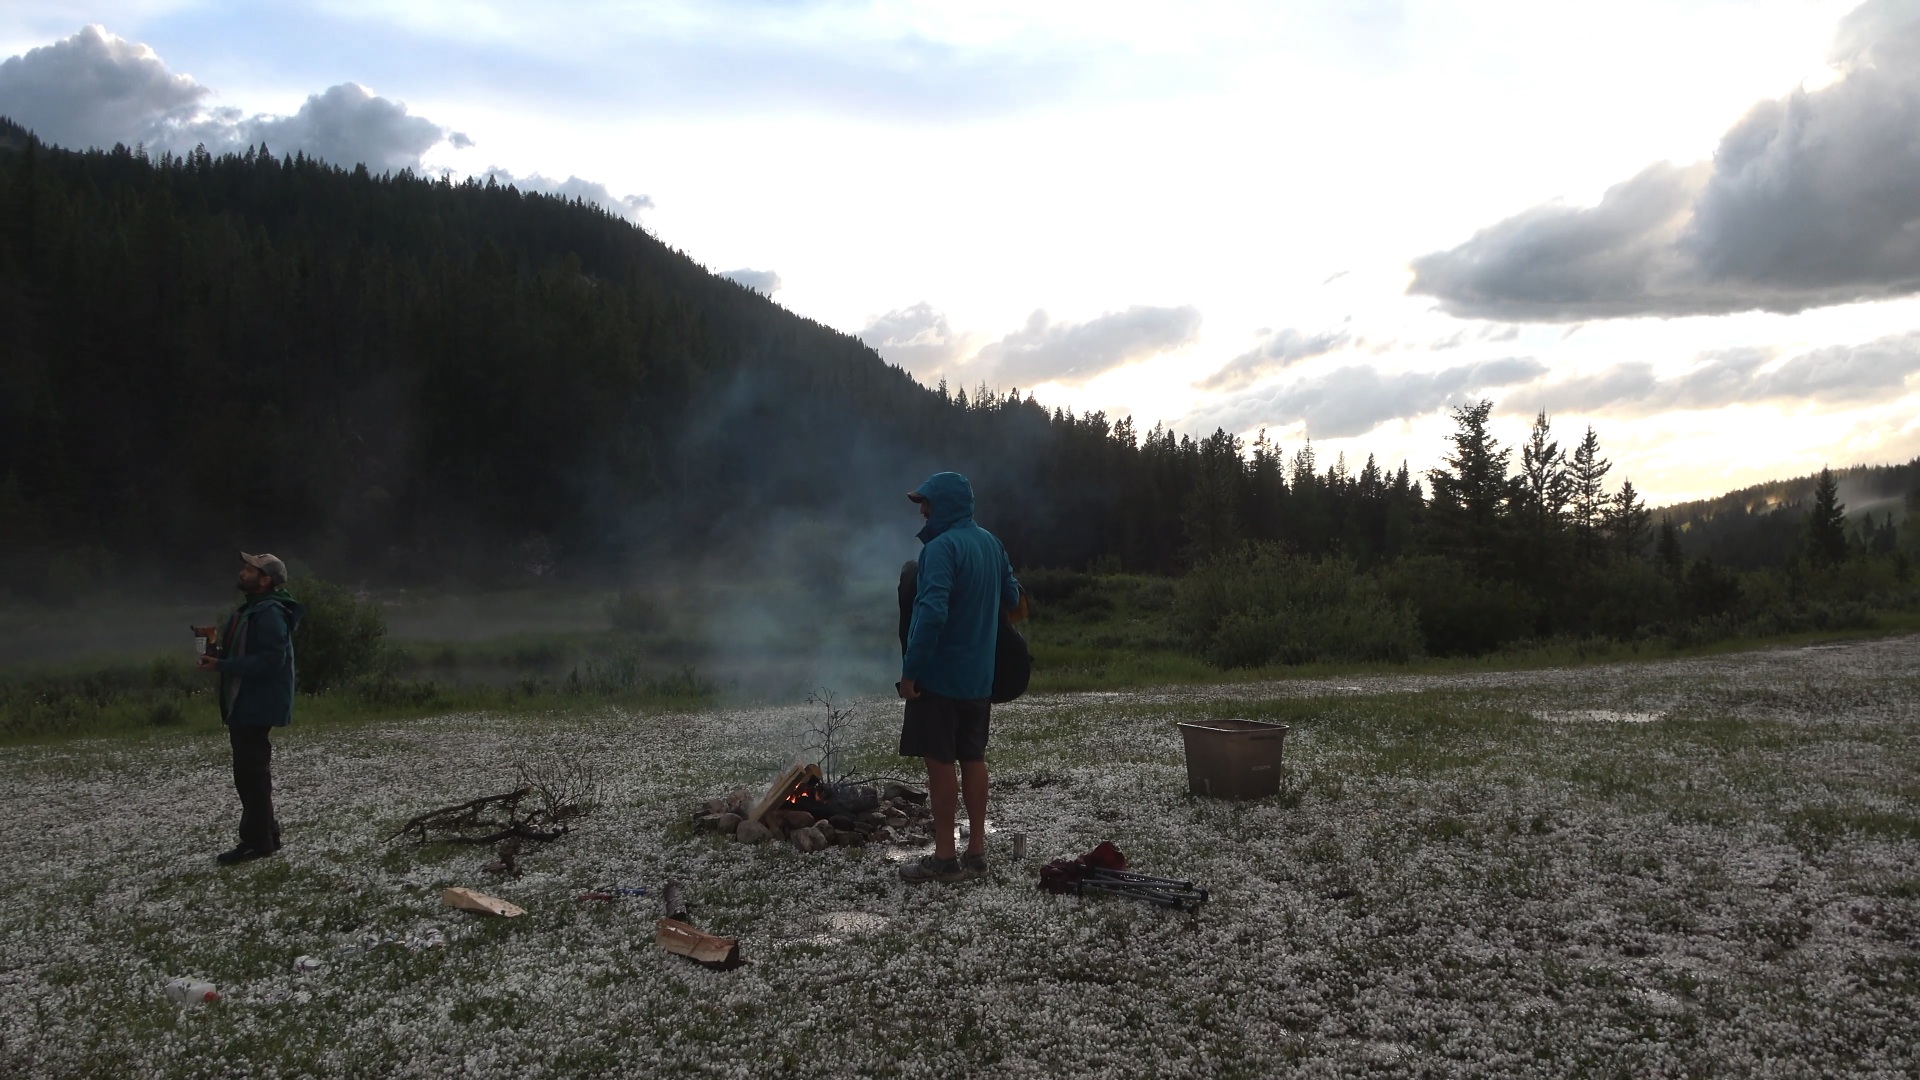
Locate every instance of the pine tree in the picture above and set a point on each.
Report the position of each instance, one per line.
(1626, 520)
(1472, 494)
(1543, 472)
(1886, 539)
(1827, 523)
(1667, 552)
(1588, 490)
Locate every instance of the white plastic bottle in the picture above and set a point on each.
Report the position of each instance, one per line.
(191, 992)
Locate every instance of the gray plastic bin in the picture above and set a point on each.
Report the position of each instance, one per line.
(1233, 759)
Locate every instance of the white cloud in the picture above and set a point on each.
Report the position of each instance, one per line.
(1277, 351)
(1073, 353)
(921, 340)
(1355, 399)
(573, 187)
(1811, 200)
(760, 281)
(95, 89)
(345, 125)
(1837, 376)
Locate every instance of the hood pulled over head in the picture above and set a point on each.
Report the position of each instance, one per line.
(952, 498)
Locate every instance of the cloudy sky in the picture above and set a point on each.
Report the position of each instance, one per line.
(1695, 226)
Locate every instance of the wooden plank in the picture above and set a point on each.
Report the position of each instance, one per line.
(468, 900)
(682, 940)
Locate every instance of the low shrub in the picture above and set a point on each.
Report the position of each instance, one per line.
(1459, 615)
(340, 638)
(1261, 606)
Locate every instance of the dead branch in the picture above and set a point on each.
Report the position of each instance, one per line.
(831, 737)
(548, 796)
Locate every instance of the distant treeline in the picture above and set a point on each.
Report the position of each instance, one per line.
(1764, 525)
(392, 377)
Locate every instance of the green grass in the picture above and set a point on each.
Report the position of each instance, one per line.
(1068, 656)
(1115, 635)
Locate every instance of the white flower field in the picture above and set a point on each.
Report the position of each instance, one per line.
(1687, 868)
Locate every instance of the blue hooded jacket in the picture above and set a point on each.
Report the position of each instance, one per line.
(965, 581)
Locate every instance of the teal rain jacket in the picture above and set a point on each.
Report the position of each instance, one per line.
(965, 581)
(256, 666)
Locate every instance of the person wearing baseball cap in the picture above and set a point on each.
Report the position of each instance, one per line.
(255, 664)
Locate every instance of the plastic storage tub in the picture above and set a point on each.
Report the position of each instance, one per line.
(1233, 759)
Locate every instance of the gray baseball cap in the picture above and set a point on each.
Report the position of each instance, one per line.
(269, 565)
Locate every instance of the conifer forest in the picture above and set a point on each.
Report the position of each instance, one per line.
(386, 372)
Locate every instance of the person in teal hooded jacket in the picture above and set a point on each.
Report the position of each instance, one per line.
(255, 664)
(962, 585)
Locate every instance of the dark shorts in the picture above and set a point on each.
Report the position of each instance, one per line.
(945, 729)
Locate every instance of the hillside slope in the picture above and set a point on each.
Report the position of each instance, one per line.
(200, 353)
(1762, 525)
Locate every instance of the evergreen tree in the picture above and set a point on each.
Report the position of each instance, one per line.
(1827, 523)
(1626, 520)
(1472, 493)
(1667, 552)
(1587, 484)
(1886, 539)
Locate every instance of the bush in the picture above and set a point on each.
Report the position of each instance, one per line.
(1051, 587)
(339, 639)
(1459, 615)
(1260, 606)
(166, 711)
(1066, 592)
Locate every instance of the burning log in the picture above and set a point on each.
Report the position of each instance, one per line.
(790, 779)
(801, 807)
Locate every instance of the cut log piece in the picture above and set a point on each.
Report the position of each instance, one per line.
(783, 785)
(721, 953)
(468, 900)
(674, 899)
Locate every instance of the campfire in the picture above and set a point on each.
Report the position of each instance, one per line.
(806, 810)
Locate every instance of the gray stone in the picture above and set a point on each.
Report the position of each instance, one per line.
(905, 792)
(720, 823)
(751, 832)
(718, 806)
(882, 835)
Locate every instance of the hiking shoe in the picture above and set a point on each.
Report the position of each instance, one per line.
(241, 854)
(933, 868)
(974, 864)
